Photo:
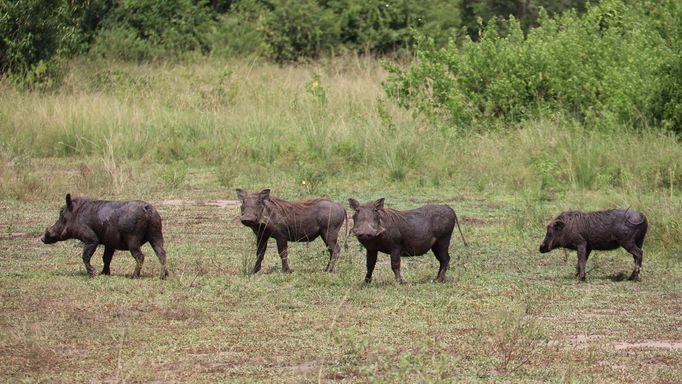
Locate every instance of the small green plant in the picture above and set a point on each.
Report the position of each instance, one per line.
(515, 340)
(315, 88)
(227, 172)
(310, 178)
(246, 259)
(174, 175)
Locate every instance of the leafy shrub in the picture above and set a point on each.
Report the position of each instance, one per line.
(293, 30)
(666, 103)
(148, 29)
(526, 11)
(29, 33)
(237, 31)
(296, 29)
(32, 32)
(604, 68)
(378, 26)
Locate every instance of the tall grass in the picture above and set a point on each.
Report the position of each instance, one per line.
(316, 129)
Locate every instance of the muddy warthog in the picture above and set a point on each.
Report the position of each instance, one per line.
(602, 230)
(118, 225)
(404, 233)
(301, 221)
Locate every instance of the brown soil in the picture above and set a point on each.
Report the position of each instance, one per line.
(16, 235)
(676, 345)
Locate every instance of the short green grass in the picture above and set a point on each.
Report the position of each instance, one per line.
(178, 137)
(506, 312)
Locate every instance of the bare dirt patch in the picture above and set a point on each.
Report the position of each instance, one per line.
(657, 344)
(16, 236)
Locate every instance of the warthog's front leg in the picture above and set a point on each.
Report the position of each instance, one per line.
(582, 260)
(371, 263)
(261, 246)
(88, 251)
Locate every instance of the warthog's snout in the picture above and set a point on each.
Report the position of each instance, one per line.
(363, 236)
(248, 219)
(48, 238)
(366, 233)
(544, 248)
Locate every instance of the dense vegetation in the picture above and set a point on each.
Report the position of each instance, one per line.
(615, 65)
(34, 30)
(479, 62)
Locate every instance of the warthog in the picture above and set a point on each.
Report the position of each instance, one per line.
(404, 233)
(300, 221)
(602, 230)
(118, 225)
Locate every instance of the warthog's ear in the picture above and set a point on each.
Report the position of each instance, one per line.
(558, 225)
(264, 194)
(69, 203)
(379, 204)
(353, 203)
(241, 194)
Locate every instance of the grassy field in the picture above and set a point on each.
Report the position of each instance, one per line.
(184, 136)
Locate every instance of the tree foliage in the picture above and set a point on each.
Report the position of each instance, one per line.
(146, 29)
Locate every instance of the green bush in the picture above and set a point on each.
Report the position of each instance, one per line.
(526, 11)
(33, 32)
(605, 68)
(149, 29)
(378, 26)
(237, 31)
(298, 28)
(29, 33)
(310, 28)
(283, 30)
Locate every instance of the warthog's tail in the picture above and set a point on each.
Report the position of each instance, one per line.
(345, 239)
(460, 231)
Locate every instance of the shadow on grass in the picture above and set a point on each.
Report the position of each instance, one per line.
(83, 274)
(620, 276)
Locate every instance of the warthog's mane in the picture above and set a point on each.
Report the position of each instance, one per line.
(288, 207)
(80, 202)
(392, 214)
(589, 219)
